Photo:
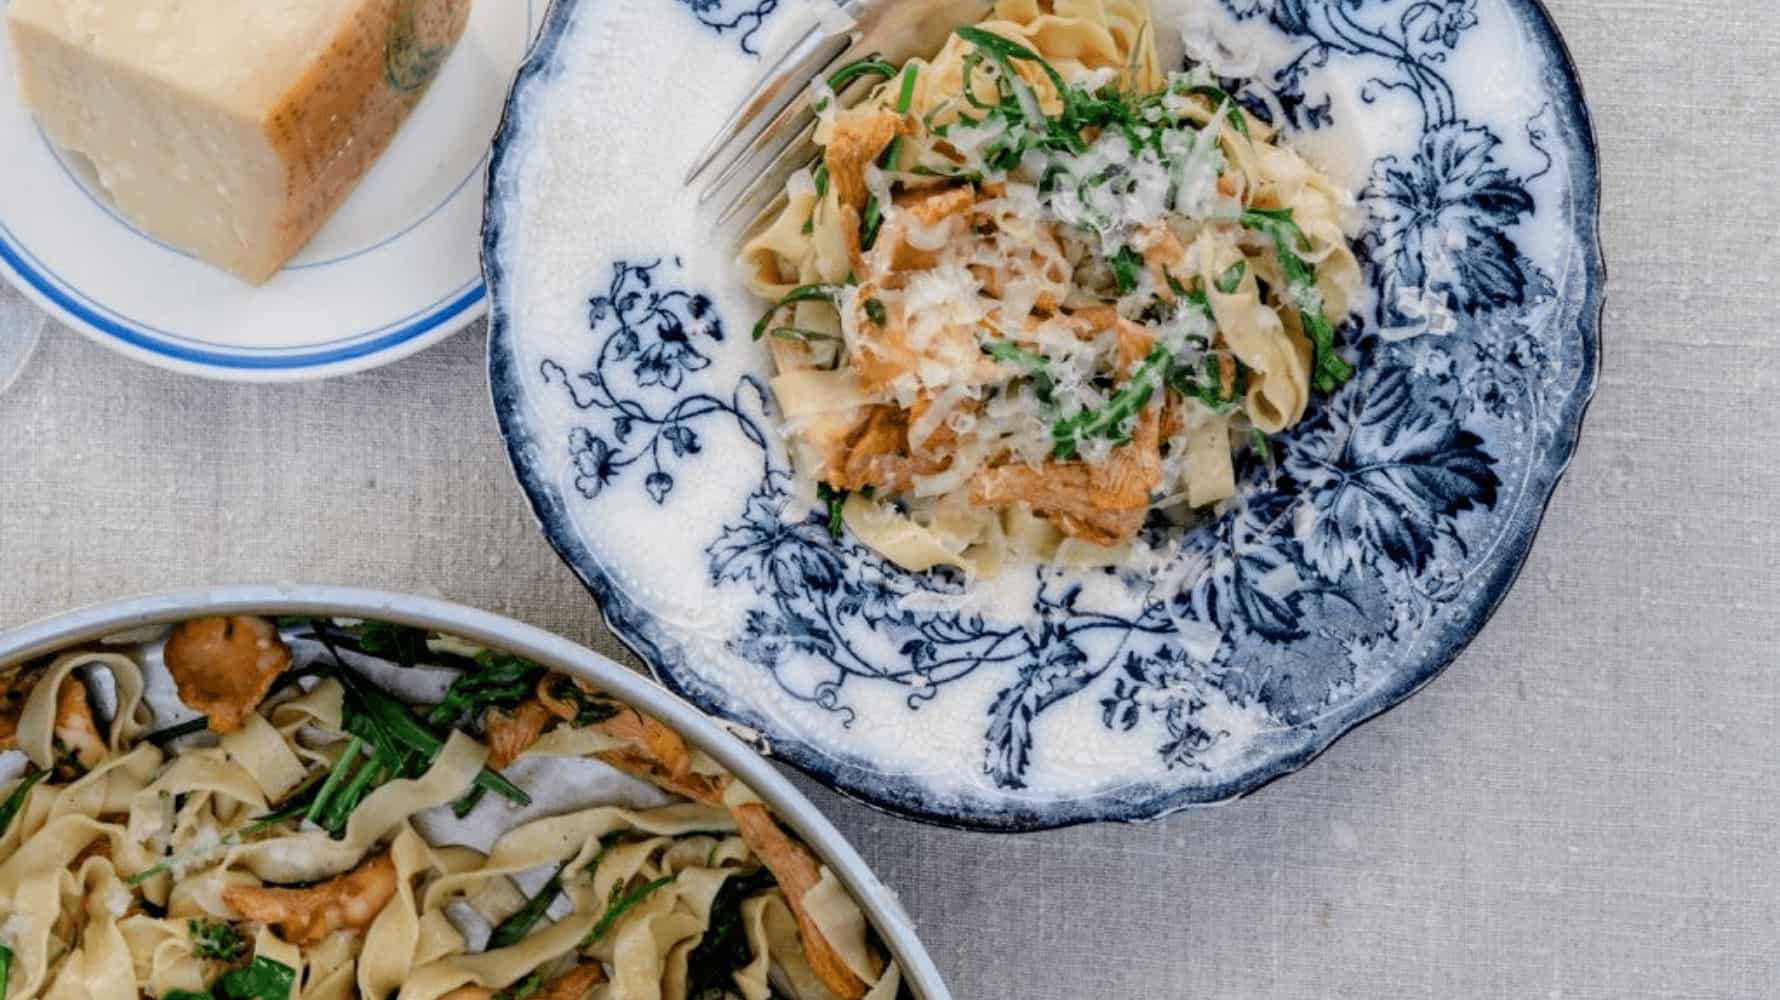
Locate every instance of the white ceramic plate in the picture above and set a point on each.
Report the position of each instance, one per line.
(394, 271)
(1352, 570)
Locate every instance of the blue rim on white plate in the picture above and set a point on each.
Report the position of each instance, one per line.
(1400, 515)
(396, 270)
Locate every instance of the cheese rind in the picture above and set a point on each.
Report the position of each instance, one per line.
(229, 129)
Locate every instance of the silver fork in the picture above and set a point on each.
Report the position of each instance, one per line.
(771, 134)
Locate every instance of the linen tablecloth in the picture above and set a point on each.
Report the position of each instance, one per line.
(1586, 805)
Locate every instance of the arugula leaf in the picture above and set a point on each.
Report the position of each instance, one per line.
(262, 979)
(402, 644)
(869, 66)
(870, 223)
(5, 967)
(337, 775)
(1329, 370)
(1108, 421)
(1127, 265)
(1034, 362)
(1206, 385)
(1231, 279)
(1004, 50)
(621, 905)
(294, 806)
(397, 731)
(1007, 350)
(216, 940)
(501, 680)
(1195, 298)
(802, 293)
(874, 311)
(371, 774)
(1219, 97)
(15, 802)
(1258, 442)
(1028, 126)
(887, 159)
(522, 989)
(836, 501)
(711, 967)
(513, 930)
(590, 708)
(907, 95)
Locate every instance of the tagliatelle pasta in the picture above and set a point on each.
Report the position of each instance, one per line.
(1037, 279)
(286, 858)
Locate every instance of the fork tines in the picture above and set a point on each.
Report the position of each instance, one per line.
(784, 81)
(771, 135)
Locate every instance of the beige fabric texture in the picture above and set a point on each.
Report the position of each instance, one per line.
(1587, 805)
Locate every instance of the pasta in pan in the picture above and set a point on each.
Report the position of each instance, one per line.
(273, 847)
(1037, 289)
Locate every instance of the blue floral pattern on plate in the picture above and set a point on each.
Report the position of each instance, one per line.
(1366, 550)
(742, 17)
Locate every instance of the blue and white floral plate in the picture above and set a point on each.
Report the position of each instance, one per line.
(395, 270)
(633, 405)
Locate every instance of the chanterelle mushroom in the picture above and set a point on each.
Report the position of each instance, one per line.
(224, 666)
(75, 726)
(571, 985)
(797, 872)
(307, 916)
(511, 734)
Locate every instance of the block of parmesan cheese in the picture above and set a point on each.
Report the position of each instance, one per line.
(231, 129)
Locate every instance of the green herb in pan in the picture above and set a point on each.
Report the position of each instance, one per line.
(620, 905)
(513, 930)
(396, 728)
(523, 989)
(163, 737)
(590, 708)
(499, 681)
(15, 801)
(262, 979)
(724, 950)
